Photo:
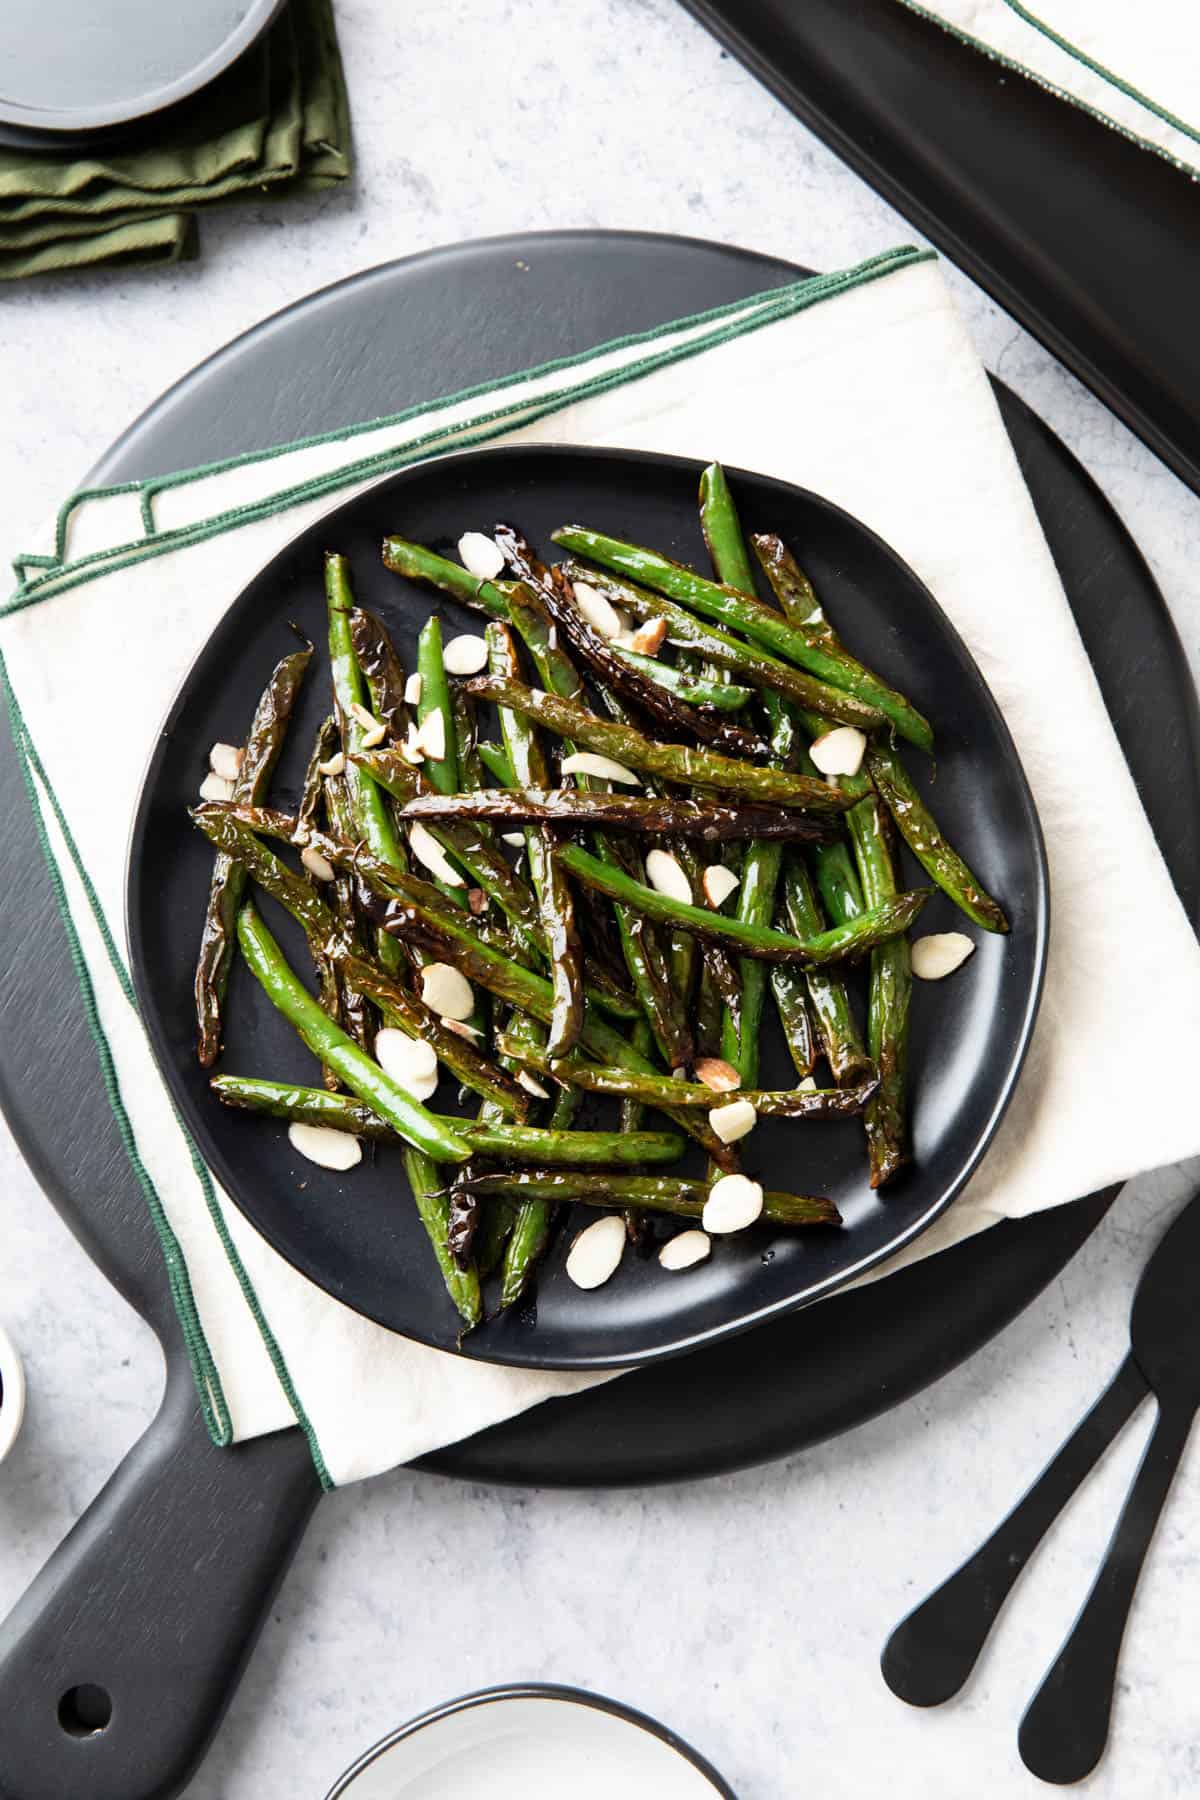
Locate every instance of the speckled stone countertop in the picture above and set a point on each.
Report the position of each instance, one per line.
(748, 1612)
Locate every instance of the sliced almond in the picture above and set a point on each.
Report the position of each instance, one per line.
(649, 637)
(301, 835)
(718, 883)
(371, 740)
(336, 764)
(431, 735)
(476, 901)
(321, 1144)
(716, 1074)
(939, 953)
(685, 1250)
(411, 749)
(225, 760)
(599, 612)
(597, 1251)
(481, 555)
(531, 1084)
(316, 864)
(411, 1062)
(665, 873)
(733, 1203)
(465, 655)
(461, 1029)
(446, 991)
(412, 690)
(215, 787)
(839, 752)
(732, 1121)
(428, 851)
(515, 838)
(589, 762)
(362, 716)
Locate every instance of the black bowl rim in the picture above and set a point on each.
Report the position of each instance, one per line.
(477, 1349)
(533, 1690)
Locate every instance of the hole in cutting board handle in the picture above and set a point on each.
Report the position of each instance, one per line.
(85, 1711)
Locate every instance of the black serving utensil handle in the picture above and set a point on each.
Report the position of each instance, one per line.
(931, 1653)
(119, 1661)
(1065, 1727)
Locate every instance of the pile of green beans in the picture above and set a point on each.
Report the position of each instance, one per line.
(649, 740)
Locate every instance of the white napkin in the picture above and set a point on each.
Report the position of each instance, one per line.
(1135, 67)
(892, 417)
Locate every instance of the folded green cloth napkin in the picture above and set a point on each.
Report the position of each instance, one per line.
(275, 123)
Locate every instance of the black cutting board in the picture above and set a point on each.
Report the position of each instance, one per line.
(168, 1624)
(1092, 242)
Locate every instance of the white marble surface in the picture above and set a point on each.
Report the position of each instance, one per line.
(747, 1611)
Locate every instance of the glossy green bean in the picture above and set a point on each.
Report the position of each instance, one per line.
(744, 613)
(924, 837)
(673, 762)
(790, 990)
(659, 1090)
(721, 650)
(723, 532)
(260, 753)
(505, 1142)
(556, 906)
(418, 564)
(652, 815)
(382, 670)
(888, 1003)
(431, 1202)
(694, 690)
(837, 1029)
(440, 771)
(330, 1044)
(834, 945)
(649, 1193)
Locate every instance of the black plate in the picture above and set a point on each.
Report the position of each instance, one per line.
(968, 1037)
(188, 1532)
(1085, 237)
(73, 66)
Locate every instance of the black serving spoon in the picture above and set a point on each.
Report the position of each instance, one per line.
(931, 1653)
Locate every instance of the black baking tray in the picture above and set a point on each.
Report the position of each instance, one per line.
(1090, 240)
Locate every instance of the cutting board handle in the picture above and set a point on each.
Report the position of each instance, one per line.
(118, 1663)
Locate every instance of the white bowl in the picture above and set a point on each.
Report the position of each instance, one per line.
(531, 1743)
(12, 1398)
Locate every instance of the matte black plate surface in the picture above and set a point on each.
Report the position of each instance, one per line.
(74, 66)
(1089, 240)
(355, 1235)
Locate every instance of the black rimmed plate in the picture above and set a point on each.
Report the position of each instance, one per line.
(357, 1236)
(73, 67)
(531, 1740)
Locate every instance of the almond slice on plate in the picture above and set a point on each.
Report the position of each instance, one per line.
(939, 953)
(412, 690)
(316, 864)
(732, 1121)
(716, 1074)
(719, 882)
(225, 760)
(600, 613)
(411, 1062)
(465, 655)
(649, 637)
(733, 1203)
(597, 1251)
(428, 851)
(446, 991)
(215, 787)
(481, 555)
(839, 752)
(590, 762)
(431, 735)
(666, 876)
(321, 1144)
(685, 1250)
